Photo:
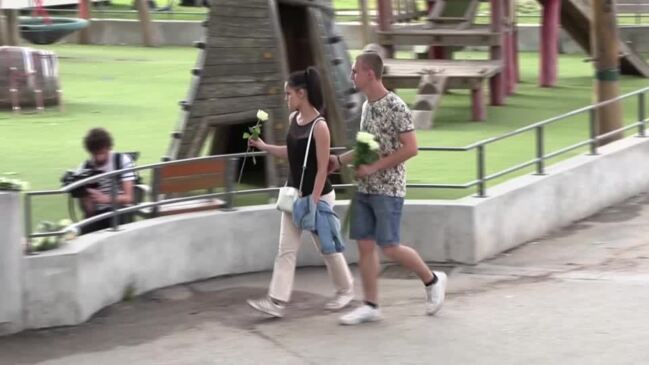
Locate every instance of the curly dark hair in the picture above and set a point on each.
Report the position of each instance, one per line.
(97, 139)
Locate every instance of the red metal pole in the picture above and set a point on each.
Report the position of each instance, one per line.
(385, 21)
(497, 83)
(84, 13)
(478, 110)
(550, 43)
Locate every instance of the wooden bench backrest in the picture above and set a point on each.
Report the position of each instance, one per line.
(192, 175)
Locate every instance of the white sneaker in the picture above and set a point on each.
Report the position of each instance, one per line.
(436, 293)
(362, 314)
(339, 302)
(267, 306)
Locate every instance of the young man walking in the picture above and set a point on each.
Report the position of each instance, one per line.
(376, 219)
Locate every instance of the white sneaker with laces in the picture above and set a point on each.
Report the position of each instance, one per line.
(267, 306)
(362, 314)
(436, 293)
(340, 301)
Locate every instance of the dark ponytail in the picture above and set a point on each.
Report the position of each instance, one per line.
(309, 80)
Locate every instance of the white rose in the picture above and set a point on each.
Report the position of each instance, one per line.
(364, 137)
(374, 145)
(262, 115)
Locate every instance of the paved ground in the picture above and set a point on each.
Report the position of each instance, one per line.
(578, 296)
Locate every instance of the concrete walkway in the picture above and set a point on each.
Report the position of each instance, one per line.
(579, 296)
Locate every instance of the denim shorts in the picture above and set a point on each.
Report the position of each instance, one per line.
(378, 218)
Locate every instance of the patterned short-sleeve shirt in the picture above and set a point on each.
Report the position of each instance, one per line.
(386, 118)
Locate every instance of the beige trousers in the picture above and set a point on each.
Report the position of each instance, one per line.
(281, 285)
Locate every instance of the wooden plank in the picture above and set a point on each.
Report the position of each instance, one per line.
(253, 24)
(240, 29)
(216, 106)
(240, 3)
(240, 69)
(215, 56)
(224, 90)
(192, 168)
(184, 184)
(226, 79)
(412, 82)
(435, 38)
(233, 11)
(229, 42)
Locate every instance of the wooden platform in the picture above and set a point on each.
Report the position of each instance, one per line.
(417, 35)
(406, 74)
(456, 74)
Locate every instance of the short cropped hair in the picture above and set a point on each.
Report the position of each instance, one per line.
(372, 60)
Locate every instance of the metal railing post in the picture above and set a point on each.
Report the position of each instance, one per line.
(114, 220)
(641, 115)
(28, 223)
(540, 151)
(155, 191)
(230, 173)
(592, 119)
(480, 157)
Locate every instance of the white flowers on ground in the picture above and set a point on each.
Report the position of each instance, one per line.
(13, 184)
(52, 242)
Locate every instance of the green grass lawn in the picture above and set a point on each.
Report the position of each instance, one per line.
(134, 92)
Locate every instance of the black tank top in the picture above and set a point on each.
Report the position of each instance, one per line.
(296, 141)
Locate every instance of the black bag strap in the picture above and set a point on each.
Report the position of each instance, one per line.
(308, 146)
(117, 161)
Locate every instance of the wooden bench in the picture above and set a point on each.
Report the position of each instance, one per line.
(188, 177)
(451, 74)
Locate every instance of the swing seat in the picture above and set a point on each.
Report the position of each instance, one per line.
(38, 31)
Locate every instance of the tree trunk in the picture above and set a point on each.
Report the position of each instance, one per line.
(607, 68)
(84, 13)
(550, 42)
(11, 24)
(145, 23)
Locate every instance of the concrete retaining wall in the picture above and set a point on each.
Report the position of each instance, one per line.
(66, 286)
(11, 264)
(184, 33)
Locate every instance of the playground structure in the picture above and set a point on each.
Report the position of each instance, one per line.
(575, 16)
(248, 52)
(28, 77)
(449, 26)
(41, 28)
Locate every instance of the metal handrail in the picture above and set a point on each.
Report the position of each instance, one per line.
(480, 182)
